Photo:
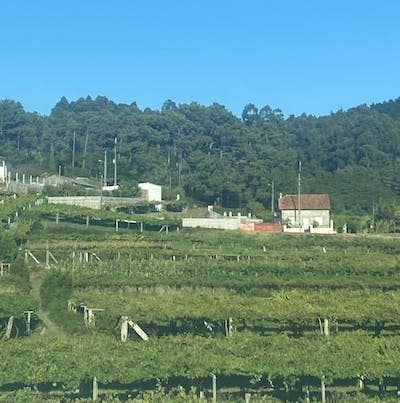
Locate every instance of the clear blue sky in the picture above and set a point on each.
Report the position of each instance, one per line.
(300, 56)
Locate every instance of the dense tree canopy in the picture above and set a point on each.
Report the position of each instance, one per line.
(213, 155)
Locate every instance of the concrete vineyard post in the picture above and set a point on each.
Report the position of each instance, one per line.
(95, 389)
(326, 327)
(214, 388)
(124, 329)
(10, 324)
(28, 322)
(360, 383)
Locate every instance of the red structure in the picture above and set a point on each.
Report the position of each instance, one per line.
(261, 227)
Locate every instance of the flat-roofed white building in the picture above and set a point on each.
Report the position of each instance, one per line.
(150, 192)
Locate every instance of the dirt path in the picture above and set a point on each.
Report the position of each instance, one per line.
(49, 328)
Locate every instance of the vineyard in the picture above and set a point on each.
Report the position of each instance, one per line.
(152, 312)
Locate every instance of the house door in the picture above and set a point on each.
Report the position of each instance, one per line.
(306, 223)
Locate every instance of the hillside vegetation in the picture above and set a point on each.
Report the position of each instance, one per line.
(213, 156)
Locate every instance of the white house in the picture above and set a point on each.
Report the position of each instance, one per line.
(150, 192)
(307, 211)
(5, 169)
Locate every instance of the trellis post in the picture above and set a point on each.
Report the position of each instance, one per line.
(9, 327)
(28, 321)
(323, 390)
(214, 388)
(124, 329)
(95, 394)
(326, 327)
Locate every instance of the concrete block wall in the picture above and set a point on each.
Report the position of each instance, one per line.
(229, 223)
(94, 202)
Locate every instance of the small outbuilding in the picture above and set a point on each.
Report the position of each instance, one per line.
(307, 211)
(150, 192)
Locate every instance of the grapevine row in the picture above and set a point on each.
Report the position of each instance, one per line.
(69, 361)
(295, 306)
(237, 275)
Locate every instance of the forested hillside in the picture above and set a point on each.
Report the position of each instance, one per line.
(214, 156)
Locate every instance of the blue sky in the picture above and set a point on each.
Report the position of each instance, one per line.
(299, 56)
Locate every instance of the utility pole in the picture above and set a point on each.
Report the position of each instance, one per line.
(299, 193)
(179, 164)
(85, 149)
(115, 161)
(73, 149)
(272, 197)
(105, 167)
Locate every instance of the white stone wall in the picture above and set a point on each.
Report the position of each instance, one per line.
(93, 202)
(230, 223)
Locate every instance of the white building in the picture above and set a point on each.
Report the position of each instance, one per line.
(5, 169)
(150, 192)
(309, 212)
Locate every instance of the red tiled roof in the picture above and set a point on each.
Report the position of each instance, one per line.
(307, 202)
